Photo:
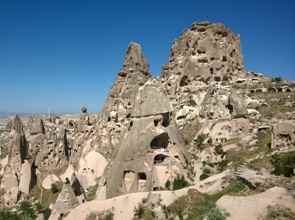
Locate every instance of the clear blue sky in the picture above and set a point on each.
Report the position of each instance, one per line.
(62, 54)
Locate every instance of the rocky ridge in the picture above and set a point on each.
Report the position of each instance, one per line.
(205, 130)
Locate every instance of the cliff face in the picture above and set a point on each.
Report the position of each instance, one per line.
(205, 122)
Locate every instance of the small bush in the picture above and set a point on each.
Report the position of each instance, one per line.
(179, 183)
(216, 214)
(284, 164)
(26, 210)
(8, 215)
(91, 192)
(144, 213)
(276, 79)
(275, 213)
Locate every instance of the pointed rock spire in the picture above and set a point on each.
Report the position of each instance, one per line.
(134, 60)
(16, 124)
(134, 73)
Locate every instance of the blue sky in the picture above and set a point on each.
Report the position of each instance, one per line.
(62, 54)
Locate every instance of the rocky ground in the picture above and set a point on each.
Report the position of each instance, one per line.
(205, 140)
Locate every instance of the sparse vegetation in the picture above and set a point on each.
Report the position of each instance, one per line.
(6, 214)
(46, 197)
(91, 192)
(284, 164)
(100, 216)
(143, 213)
(179, 182)
(276, 79)
(25, 211)
(197, 206)
(279, 213)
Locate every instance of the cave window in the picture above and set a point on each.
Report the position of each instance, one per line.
(176, 157)
(280, 90)
(166, 119)
(77, 188)
(224, 59)
(230, 108)
(211, 70)
(201, 51)
(272, 90)
(142, 176)
(158, 159)
(217, 78)
(71, 124)
(160, 141)
(183, 81)
(130, 125)
(232, 53)
(156, 122)
(203, 60)
(202, 29)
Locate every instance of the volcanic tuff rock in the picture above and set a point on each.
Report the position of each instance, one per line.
(205, 122)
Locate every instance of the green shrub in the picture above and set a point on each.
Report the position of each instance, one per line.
(27, 211)
(91, 192)
(216, 214)
(284, 164)
(276, 79)
(8, 215)
(144, 213)
(179, 182)
(275, 213)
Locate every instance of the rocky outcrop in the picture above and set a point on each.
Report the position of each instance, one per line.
(66, 201)
(207, 52)
(205, 122)
(37, 126)
(255, 206)
(151, 152)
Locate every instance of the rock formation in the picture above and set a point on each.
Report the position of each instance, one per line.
(207, 131)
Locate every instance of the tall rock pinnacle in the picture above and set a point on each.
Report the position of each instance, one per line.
(135, 60)
(134, 73)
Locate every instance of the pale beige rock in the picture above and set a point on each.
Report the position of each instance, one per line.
(25, 177)
(49, 181)
(255, 206)
(91, 167)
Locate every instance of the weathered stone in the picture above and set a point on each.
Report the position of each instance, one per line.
(25, 177)
(37, 126)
